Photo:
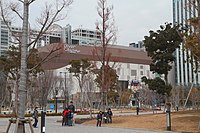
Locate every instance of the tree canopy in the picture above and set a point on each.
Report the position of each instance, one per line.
(110, 75)
(158, 85)
(160, 46)
(79, 67)
(10, 64)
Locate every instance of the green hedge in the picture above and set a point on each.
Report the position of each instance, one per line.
(47, 114)
(29, 115)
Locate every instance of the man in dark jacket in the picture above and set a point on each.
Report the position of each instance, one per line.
(109, 112)
(35, 116)
(71, 107)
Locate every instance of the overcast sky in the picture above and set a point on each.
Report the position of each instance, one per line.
(133, 18)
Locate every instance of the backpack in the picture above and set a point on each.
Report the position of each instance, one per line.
(99, 116)
(70, 114)
(33, 115)
(110, 113)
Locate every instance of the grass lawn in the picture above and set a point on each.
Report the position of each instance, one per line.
(182, 121)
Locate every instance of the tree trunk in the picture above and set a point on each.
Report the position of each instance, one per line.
(23, 69)
(106, 96)
(90, 104)
(16, 103)
(102, 101)
(103, 54)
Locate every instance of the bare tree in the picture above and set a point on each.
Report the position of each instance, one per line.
(90, 92)
(49, 16)
(3, 90)
(193, 36)
(65, 85)
(40, 89)
(107, 30)
(47, 82)
(33, 92)
(194, 97)
(80, 70)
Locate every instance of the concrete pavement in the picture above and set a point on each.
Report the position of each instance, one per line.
(55, 127)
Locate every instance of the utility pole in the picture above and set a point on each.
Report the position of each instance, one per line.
(56, 107)
(43, 121)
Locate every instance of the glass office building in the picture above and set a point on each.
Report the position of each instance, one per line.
(185, 72)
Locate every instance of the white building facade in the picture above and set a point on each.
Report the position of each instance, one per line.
(127, 73)
(4, 38)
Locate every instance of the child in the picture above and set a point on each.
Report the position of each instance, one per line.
(65, 117)
(99, 118)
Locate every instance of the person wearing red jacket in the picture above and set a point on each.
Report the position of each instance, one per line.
(65, 117)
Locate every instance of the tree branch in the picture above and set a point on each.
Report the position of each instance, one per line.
(48, 20)
(21, 1)
(55, 49)
(31, 1)
(14, 7)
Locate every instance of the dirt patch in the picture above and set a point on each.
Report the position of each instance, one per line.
(82, 120)
(184, 121)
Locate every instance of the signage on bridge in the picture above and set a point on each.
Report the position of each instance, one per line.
(71, 49)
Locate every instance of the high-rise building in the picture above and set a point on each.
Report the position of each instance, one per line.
(86, 37)
(4, 38)
(140, 44)
(57, 33)
(185, 72)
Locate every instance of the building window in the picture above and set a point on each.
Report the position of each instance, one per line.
(141, 67)
(118, 71)
(141, 73)
(128, 66)
(122, 71)
(148, 73)
(133, 73)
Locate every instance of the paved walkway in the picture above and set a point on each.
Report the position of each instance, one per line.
(54, 127)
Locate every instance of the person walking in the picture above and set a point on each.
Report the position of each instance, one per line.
(109, 112)
(35, 116)
(99, 118)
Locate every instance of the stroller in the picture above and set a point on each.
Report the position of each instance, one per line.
(105, 117)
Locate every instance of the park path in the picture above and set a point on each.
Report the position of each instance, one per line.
(55, 127)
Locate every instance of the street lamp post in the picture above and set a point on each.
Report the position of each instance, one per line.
(154, 101)
(56, 107)
(168, 115)
(138, 105)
